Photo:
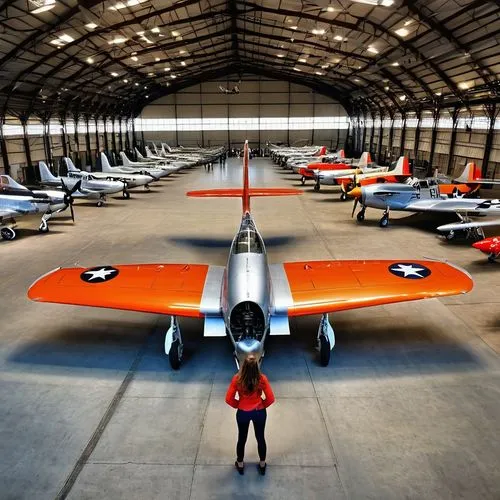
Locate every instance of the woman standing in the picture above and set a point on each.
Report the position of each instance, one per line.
(250, 383)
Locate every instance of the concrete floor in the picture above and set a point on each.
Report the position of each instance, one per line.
(408, 408)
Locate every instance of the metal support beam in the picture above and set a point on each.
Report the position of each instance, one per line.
(3, 149)
(113, 135)
(88, 152)
(97, 145)
(62, 121)
(435, 117)
(47, 146)
(363, 140)
(453, 140)
(120, 138)
(416, 143)
(403, 135)
(76, 119)
(127, 138)
(391, 138)
(106, 147)
(372, 134)
(380, 138)
(134, 139)
(30, 171)
(492, 114)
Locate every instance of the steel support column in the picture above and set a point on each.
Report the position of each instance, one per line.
(143, 143)
(417, 135)
(88, 151)
(62, 121)
(30, 171)
(391, 138)
(403, 135)
(491, 110)
(380, 138)
(363, 140)
(76, 119)
(453, 140)
(104, 120)
(372, 134)
(113, 134)
(134, 139)
(97, 145)
(3, 149)
(127, 138)
(435, 116)
(120, 138)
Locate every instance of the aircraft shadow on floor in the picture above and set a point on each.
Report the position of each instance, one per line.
(225, 243)
(390, 351)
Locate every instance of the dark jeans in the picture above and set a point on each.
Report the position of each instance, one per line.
(243, 418)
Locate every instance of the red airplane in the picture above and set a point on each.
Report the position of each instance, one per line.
(489, 246)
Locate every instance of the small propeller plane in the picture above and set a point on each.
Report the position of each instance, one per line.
(417, 195)
(90, 188)
(249, 299)
(17, 200)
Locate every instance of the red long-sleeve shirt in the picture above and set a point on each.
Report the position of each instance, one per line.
(250, 401)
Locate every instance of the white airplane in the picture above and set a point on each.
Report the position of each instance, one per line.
(129, 180)
(90, 188)
(155, 170)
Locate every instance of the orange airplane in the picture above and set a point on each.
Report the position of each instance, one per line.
(249, 299)
(467, 183)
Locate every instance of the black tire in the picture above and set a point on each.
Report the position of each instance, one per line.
(450, 236)
(303, 180)
(126, 195)
(324, 350)
(174, 355)
(491, 257)
(100, 203)
(343, 196)
(316, 187)
(384, 221)
(360, 216)
(44, 229)
(7, 233)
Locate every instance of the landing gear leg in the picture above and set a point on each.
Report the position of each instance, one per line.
(101, 201)
(361, 215)
(173, 344)
(44, 224)
(326, 340)
(146, 187)
(384, 221)
(303, 180)
(317, 186)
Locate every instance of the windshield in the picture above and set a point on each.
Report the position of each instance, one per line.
(247, 241)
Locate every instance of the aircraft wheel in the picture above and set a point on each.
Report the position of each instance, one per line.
(126, 195)
(361, 216)
(491, 257)
(146, 187)
(100, 203)
(384, 221)
(8, 233)
(343, 196)
(324, 350)
(175, 354)
(317, 187)
(450, 235)
(303, 180)
(44, 227)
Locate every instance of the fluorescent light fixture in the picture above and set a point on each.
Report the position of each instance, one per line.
(395, 63)
(407, 23)
(146, 39)
(90, 60)
(182, 51)
(117, 6)
(381, 3)
(39, 6)
(183, 63)
(56, 42)
(134, 58)
(117, 40)
(175, 33)
(155, 30)
(123, 5)
(357, 80)
(464, 85)
(114, 74)
(324, 66)
(372, 49)
(140, 33)
(386, 88)
(402, 97)
(402, 32)
(302, 60)
(280, 55)
(439, 94)
(91, 26)
(157, 59)
(319, 73)
(166, 68)
(151, 74)
(339, 38)
(145, 87)
(336, 61)
(125, 80)
(318, 31)
(173, 76)
(136, 84)
(330, 9)
(66, 38)
(297, 69)
(147, 96)
(293, 27)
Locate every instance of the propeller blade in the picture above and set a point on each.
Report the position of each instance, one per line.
(65, 188)
(76, 187)
(355, 204)
(72, 212)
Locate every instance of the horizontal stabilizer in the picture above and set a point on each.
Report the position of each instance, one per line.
(238, 192)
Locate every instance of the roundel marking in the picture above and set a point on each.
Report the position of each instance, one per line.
(409, 270)
(99, 274)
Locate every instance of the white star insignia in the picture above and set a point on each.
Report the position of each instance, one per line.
(408, 270)
(100, 273)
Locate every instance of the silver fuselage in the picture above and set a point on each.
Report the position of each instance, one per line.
(246, 291)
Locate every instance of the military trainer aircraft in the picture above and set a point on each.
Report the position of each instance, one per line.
(249, 299)
(417, 195)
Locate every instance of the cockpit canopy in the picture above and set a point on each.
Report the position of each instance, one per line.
(247, 241)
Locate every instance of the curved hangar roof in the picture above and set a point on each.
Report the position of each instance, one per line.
(113, 57)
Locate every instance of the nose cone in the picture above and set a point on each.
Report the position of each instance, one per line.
(248, 346)
(355, 193)
(483, 245)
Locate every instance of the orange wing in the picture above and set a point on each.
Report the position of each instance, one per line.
(327, 286)
(156, 288)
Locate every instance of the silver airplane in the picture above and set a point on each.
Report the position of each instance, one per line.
(417, 195)
(17, 200)
(90, 188)
(129, 180)
(249, 299)
(153, 169)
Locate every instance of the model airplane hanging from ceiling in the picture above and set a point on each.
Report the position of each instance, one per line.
(234, 90)
(249, 299)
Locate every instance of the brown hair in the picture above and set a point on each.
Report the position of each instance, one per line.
(249, 376)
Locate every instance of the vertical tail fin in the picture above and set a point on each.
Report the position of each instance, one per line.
(106, 167)
(149, 154)
(45, 173)
(139, 154)
(402, 166)
(364, 160)
(125, 160)
(321, 152)
(470, 173)
(341, 154)
(69, 164)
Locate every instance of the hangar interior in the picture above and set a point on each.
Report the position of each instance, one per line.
(91, 408)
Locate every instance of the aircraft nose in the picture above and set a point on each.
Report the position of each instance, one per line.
(481, 245)
(355, 193)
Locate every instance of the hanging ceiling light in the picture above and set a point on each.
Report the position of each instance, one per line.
(39, 6)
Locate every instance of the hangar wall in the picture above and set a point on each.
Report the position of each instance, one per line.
(298, 114)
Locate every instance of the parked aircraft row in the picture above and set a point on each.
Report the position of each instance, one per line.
(58, 193)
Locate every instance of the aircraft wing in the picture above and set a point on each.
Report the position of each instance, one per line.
(460, 205)
(179, 289)
(316, 287)
(9, 214)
